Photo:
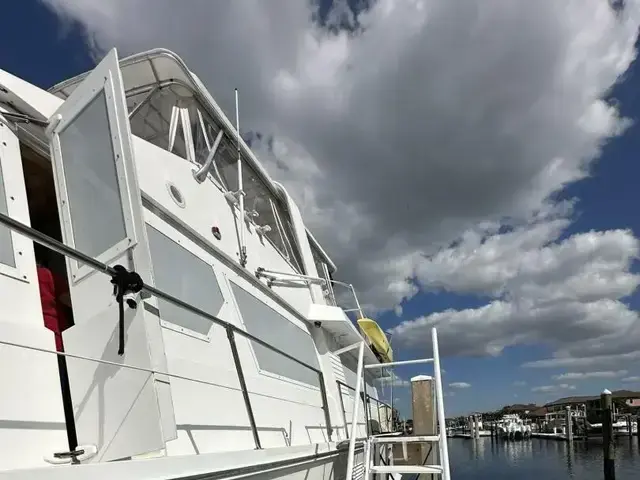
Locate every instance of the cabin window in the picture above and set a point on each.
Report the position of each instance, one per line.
(261, 206)
(204, 132)
(226, 160)
(91, 180)
(290, 239)
(317, 259)
(157, 115)
(6, 242)
(323, 272)
(275, 329)
(183, 275)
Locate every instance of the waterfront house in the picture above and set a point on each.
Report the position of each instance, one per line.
(624, 401)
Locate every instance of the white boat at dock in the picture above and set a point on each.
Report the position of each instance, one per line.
(223, 351)
(512, 427)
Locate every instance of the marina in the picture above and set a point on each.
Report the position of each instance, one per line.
(484, 459)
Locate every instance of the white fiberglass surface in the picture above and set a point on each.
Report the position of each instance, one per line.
(6, 243)
(91, 179)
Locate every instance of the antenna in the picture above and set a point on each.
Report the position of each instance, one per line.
(243, 248)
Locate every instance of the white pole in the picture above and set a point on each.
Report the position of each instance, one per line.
(444, 448)
(354, 415)
(372, 366)
(243, 248)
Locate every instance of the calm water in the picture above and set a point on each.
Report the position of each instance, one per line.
(539, 459)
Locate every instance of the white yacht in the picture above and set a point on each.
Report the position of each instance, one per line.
(512, 427)
(222, 352)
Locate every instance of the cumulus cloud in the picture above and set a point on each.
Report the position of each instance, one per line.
(425, 144)
(553, 388)
(459, 385)
(590, 375)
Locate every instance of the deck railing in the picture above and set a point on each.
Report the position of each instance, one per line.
(367, 411)
(232, 331)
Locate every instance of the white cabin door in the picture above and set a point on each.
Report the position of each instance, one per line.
(115, 408)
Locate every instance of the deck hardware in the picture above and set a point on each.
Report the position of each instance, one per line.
(201, 174)
(74, 457)
(126, 285)
(22, 118)
(54, 122)
(263, 230)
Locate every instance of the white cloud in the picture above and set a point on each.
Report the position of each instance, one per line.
(553, 388)
(631, 379)
(436, 121)
(460, 385)
(394, 380)
(590, 375)
(519, 383)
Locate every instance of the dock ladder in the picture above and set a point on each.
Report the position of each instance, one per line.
(373, 445)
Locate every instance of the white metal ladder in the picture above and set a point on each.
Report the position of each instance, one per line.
(371, 442)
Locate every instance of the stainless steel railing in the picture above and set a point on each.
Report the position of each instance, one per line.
(231, 330)
(367, 411)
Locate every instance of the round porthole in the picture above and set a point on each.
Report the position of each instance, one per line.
(175, 194)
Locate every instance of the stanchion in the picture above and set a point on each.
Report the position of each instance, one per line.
(607, 436)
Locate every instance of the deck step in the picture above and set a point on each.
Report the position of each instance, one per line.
(412, 439)
(402, 469)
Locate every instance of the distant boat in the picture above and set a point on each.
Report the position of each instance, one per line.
(512, 427)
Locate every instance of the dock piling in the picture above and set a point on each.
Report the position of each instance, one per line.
(423, 404)
(607, 436)
(569, 425)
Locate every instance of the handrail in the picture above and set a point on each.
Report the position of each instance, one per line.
(377, 400)
(366, 398)
(59, 247)
(444, 448)
(441, 421)
(354, 415)
(63, 249)
(353, 292)
(272, 274)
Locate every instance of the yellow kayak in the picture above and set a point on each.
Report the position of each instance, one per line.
(378, 339)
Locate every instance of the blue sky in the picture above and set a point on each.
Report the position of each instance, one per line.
(607, 200)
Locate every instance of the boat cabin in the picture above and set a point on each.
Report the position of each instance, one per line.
(134, 164)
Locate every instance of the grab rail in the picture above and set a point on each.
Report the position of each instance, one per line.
(353, 292)
(59, 247)
(369, 399)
